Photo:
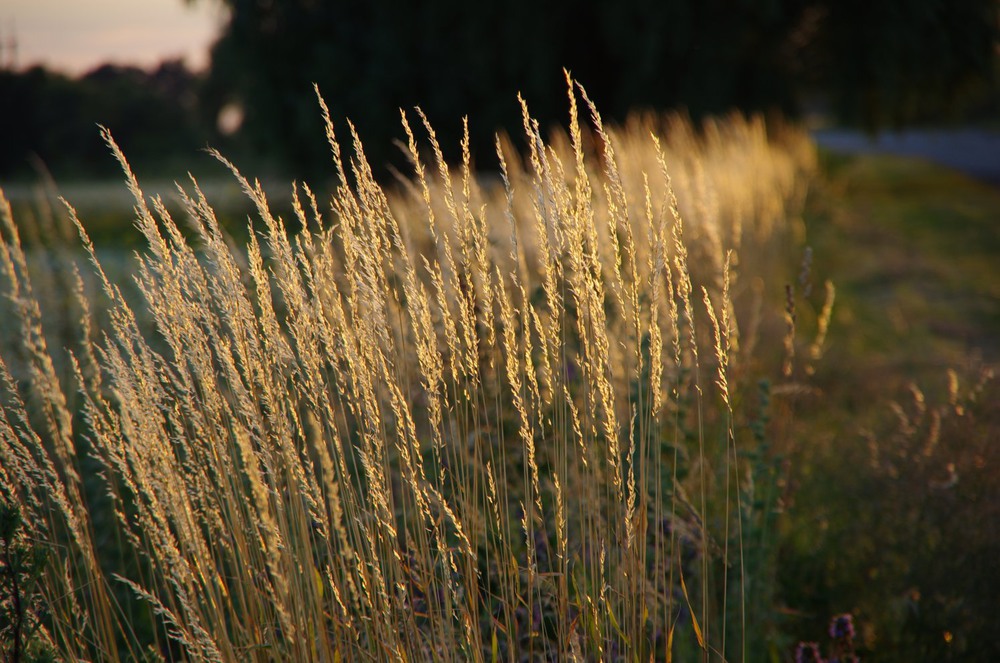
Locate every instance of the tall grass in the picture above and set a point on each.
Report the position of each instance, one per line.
(473, 419)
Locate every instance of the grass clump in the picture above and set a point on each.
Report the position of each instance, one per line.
(509, 421)
(893, 482)
(21, 565)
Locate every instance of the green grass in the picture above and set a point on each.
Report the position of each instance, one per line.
(877, 528)
(913, 251)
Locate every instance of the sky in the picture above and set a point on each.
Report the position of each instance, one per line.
(74, 36)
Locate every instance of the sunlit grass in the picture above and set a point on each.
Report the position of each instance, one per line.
(462, 421)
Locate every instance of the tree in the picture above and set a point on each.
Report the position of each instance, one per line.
(893, 63)
(53, 118)
(878, 61)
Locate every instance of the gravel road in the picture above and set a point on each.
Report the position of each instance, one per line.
(975, 152)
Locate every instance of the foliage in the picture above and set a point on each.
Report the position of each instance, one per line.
(52, 117)
(894, 64)
(880, 63)
(902, 541)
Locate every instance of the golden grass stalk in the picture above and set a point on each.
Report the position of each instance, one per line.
(459, 421)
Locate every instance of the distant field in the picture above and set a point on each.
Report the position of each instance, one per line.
(105, 206)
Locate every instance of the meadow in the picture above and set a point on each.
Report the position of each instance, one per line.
(610, 403)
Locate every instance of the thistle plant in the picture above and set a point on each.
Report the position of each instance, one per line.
(841, 647)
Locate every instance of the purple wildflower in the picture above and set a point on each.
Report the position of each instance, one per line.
(808, 652)
(842, 627)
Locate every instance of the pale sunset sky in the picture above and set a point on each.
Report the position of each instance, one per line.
(74, 36)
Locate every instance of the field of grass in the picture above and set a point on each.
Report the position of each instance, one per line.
(896, 476)
(652, 393)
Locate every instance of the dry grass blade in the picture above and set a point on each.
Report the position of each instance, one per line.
(459, 424)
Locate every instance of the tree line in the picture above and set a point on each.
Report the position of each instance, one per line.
(873, 63)
(50, 120)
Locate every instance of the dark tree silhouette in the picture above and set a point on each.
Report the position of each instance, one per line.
(53, 118)
(878, 62)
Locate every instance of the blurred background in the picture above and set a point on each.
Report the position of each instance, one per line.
(912, 248)
(169, 77)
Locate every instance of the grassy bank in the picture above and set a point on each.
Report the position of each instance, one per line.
(653, 392)
(896, 475)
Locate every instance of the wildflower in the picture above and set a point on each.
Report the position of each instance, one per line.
(841, 650)
(842, 627)
(808, 652)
